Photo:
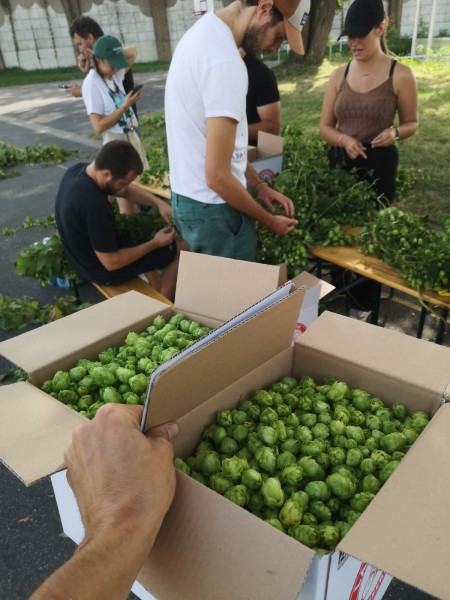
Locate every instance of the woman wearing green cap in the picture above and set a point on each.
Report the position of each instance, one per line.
(108, 106)
(369, 105)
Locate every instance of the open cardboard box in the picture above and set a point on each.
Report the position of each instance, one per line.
(215, 548)
(267, 157)
(219, 550)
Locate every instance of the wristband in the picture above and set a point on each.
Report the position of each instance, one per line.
(338, 143)
(397, 134)
(262, 182)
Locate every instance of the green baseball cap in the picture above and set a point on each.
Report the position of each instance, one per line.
(109, 48)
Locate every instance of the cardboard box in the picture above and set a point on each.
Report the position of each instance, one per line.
(208, 537)
(267, 156)
(218, 549)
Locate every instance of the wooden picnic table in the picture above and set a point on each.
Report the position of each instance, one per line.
(371, 267)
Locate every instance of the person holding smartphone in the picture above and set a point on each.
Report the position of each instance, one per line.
(84, 32)
(109, 107)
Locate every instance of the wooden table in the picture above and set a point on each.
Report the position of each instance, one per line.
(373, 268)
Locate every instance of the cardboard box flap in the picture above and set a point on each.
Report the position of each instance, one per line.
(311, 281)
(405, 531)
(61, 340)
(269, 144)
(221, 288)
(39, 429)
(355, 351)
(196, 374)
(197, 550)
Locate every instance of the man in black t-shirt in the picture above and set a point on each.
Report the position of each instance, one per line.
(263, 99)
(86, 222)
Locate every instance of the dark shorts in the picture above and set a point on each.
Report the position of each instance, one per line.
(215, 229)
(156, 260)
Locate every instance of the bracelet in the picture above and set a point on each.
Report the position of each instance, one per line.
(262, 182)
(397, 134)
(338, 143)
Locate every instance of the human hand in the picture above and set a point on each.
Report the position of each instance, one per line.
(281, 225)
(270, 197)
(131, 98)
(124, 481)
(74, 90)
(164, 237)
(384, 139)
(84, 61)
(165, 210)
(353, 147)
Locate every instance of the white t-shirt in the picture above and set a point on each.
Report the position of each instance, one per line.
(207, 78)
(103, 97)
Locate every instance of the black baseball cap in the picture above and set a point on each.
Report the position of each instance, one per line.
(362, 17)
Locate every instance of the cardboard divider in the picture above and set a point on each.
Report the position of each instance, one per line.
(195, 378)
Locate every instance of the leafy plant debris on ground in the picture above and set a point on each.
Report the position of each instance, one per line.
(16, 313)
(12, 156)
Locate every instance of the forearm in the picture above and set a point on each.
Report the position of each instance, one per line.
(266, 125)
(102, 123)
(125, 256)
(331, 135)
(407, 129)
(130, 53)
(234, 194)
(101, 568)
(138, 195)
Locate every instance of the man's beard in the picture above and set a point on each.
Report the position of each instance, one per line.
(109, 188)
(251, 43)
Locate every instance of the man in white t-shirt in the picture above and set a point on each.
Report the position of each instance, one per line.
(205, 109)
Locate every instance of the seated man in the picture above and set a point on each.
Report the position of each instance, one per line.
(86, 222)
(263, 99)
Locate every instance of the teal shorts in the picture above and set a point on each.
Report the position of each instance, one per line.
(217, 229)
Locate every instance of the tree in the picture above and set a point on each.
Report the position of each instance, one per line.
(317, 30)
(395, 13)
(161, 27)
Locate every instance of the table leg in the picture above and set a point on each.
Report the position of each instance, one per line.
(422, 316)
(441, 326)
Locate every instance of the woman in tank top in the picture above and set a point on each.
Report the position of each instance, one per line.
(362, 100)
(368, 106)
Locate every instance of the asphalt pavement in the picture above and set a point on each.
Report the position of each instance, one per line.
(33, 543)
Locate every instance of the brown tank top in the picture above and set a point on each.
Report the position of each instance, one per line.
(364, 115)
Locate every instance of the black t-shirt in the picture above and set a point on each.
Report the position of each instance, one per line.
(85, 221)
(262, 87)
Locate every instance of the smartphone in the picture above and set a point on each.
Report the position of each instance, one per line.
(137, 88)
(64, 86)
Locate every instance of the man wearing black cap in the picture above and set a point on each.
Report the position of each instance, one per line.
(369, 105)
(205, 107)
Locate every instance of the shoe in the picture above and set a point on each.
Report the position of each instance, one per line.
(361, 315)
